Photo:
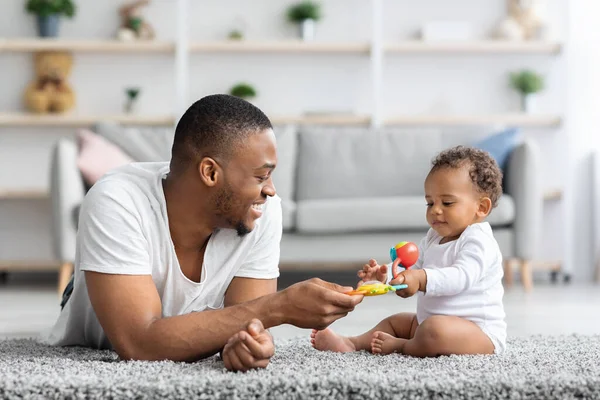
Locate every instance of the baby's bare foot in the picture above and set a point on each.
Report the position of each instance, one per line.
(329, 340)
(384, 343)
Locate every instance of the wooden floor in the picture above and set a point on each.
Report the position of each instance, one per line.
(29, 305)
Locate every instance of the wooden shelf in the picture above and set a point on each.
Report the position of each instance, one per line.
(283, 46)
(474, 47)
(33, 194)
(29, 265)
(333, 119)
(28, 119)
(522, 120)
(88, 46)
(288, 46)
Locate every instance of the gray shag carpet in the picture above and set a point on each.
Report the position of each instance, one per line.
(540, 367)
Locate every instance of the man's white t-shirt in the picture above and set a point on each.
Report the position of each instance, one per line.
(124, 229)
(464, 279)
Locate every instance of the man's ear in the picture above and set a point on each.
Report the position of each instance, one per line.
(209, 171)
(485, 206)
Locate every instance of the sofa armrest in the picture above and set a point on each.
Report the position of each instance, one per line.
(66, 194)
(523, 181)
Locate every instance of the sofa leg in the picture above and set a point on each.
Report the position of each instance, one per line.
(508, 272)
(527, 275)
(64, 275)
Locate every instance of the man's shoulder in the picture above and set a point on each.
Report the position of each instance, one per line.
(125, 184)
(132, 177)
(136, 172)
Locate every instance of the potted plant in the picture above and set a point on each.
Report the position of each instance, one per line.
(243, 90)
(132, 94)
(235, 34)
(305, 14)
(48, 14)
(527, 83)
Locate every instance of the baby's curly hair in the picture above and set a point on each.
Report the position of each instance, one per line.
(483, 169)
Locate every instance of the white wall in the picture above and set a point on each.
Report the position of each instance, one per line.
(287, 84)
(583, 127)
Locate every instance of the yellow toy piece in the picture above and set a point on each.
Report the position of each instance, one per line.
(375, 289)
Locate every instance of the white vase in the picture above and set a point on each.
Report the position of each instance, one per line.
(528, 103)
(307, 29)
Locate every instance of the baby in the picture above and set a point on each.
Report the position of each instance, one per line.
(458, 275)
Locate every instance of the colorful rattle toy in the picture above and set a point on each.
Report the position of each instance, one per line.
(404, 254)
(375, 288)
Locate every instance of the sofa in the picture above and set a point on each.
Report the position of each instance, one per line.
(348, 193)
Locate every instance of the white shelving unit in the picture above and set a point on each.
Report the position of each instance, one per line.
(181, 50)
(376, 50)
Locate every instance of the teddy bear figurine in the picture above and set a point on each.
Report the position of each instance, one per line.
(50, 91)
(523, 21)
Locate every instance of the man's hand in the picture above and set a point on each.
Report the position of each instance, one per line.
(249, 349)
(373, 272)
(415, 279)
(315, 304)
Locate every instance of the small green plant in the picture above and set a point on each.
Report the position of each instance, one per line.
(45, 8)
(304, 10)
(243, 90)
(236, 35)
(132, 94)
(526, 82)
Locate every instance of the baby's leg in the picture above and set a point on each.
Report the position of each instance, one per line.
(404, 326)
(398, 326)
(444, 335)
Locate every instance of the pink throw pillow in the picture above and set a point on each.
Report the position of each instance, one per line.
(97, 156)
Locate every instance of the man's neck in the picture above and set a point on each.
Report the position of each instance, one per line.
(190, 229)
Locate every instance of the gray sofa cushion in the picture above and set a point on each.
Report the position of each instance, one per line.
(357, 162)
(336, 162)
(284, 176)
(378, 214)
(288, 210)
(144, 144)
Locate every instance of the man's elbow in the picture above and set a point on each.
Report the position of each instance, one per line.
(133, 352)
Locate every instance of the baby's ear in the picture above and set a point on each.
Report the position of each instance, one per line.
(485, 207)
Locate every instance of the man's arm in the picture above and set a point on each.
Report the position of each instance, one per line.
(241, 290)
(129, 310)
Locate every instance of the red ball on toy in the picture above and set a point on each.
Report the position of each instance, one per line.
(403, 254)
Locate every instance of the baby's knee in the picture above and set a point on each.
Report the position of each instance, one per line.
(431, 331)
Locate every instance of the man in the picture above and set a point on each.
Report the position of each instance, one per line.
(180, 261)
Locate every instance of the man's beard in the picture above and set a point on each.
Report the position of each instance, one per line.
(224, 202)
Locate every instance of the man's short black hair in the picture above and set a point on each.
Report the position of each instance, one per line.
(215, 125)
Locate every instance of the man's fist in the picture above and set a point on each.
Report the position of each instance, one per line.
(249, 349)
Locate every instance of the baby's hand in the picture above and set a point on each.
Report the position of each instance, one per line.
(372, 272)
(415, 279)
